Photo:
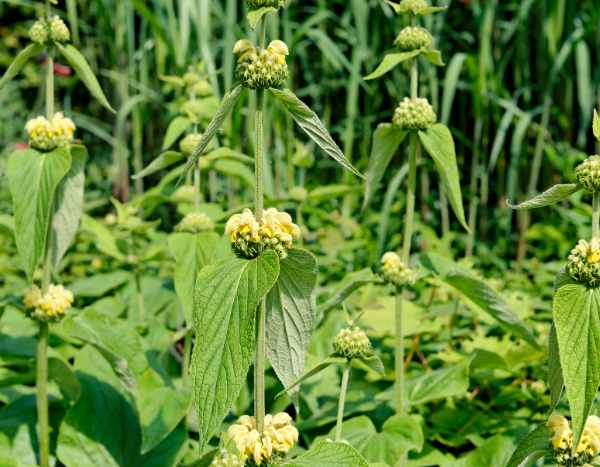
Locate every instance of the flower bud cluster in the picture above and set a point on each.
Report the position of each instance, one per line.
(278, 437)
(414, 38)
(562, 441)
(414, 114)
(195, 222)
(415, 7)
(352, 342)
(256, 4)
(227, 459)
(46, 135)
(250, 237)
(588, 174)
(49, 306)
(46, 30)
(261, 68)
(394, 271)
(584, 263)
(189, 143)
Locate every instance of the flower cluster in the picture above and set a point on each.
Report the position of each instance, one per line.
(49, 306)
(261, 68)
(414, 114)
(256, 4)
(250, 237)
(278, 437)
(53, 29)
(562, 441)
(394, 271)
(46, 135)
(189, 143)
(588, 174)
(584, 263)
(227, 459)
(414, 38)
(352, 342)
(195, 222)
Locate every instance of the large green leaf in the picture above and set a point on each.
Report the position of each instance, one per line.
(33, 179)
(20, 61)
(68, 205)
(192, 252)
(84, 72)
(439, 144)
(328, 454)
(531, 448)
(390, 61)
(161, 407)
(291, 315)
(227, 105)
(165, 159)
(549, 197)
(227, 296)
(477, 294)
(101, 429)
(99, 284)
(452, 381)
(386, 140)
(312, 126)
(576, 311)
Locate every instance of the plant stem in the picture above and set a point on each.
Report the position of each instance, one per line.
(187, 350)
(342, 401)
(42, 394)
(399, 354)
(596, 216)
(197, 187)
(50, 86)
(259, 364)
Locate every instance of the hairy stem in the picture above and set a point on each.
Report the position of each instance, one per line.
(42, 394)
(50, 86)
(596, 216)
(342, 401)
(259, 364)
(187, 350)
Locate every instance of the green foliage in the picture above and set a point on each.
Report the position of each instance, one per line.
(20, 61)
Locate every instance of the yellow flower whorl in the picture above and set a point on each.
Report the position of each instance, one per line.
(47, 135)
(352, 342)
(414, 114)
(588, 174)
(394, 271)
(49, 306)
(562, 441)
(261, 68)
(195, 222)
(584, 263)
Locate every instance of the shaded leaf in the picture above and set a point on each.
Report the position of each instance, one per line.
(555, 377)
(531, 448)
(452, 381)
(549, 197)
(312, 126)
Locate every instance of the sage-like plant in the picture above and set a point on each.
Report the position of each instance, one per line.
(260, 301)
(416, 119)
(574, 342)
(46, 182)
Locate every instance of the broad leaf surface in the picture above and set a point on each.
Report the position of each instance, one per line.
(549, 197)
(328, 454)
(291, 311)
(227, 296)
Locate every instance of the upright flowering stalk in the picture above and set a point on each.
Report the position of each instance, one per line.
(46, 185)
(574, 344)
(414, 117)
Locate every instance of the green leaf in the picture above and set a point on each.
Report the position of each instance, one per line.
(452, 381)
(84, 72)
(192, 252)
(227, 105)
(20, 61)
(595, 125)
(313, 371)
(105, 240)
(576, 313)
(161, 408)
(99, 285)
(328, 454)
(176, 128)
(549, 197)
(399, 9)
(386, 140)
(478, 294)
(312, 126)
(169, 452)
(60, 372)
(33, 179)
(390, 61)
(227, 296)
(233, 168)
(555, 377)
(374, 363)
(291, 315)
(254, 16)
(68, 205)
(165, 159)
(439, 144)
(351, 283)
(531, 448)
(433, 56)
(102, 428)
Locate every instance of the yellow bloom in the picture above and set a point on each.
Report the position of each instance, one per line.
(562, 441)
(395, 271)
(51, 305)
(46, 135)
